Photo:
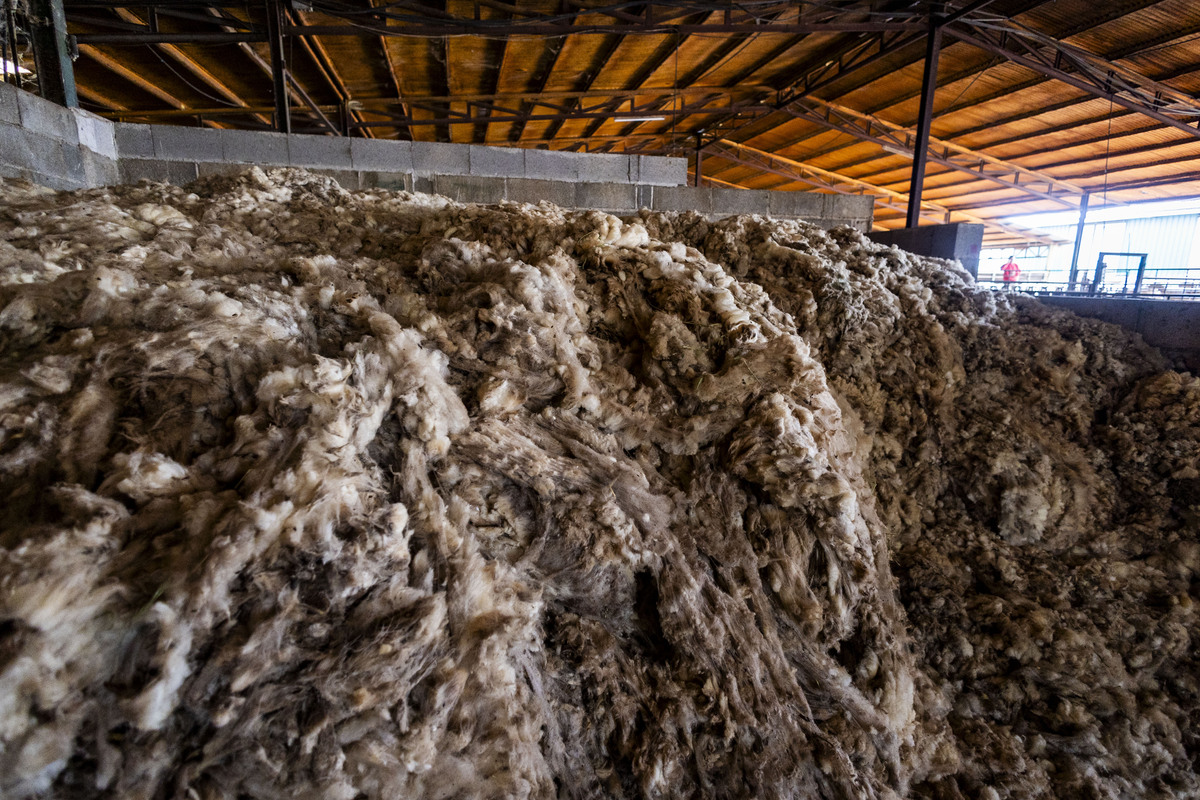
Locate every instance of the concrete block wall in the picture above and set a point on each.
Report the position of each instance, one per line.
(1172, 326)
(166, 153)
(71, 149)
(57, 147)
(626, 199)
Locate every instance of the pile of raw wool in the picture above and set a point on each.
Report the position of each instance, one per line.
(315, 494)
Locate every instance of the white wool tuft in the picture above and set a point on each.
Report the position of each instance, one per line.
(315, 494)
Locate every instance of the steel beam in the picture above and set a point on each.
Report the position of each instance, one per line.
(1083, 209)
(452, 29)
(198, 37)
(192, 66)
(560, 116)
(889, 198)
(116, 67)
(902, 141)
(275, 23)
(933, 49)
(56, 74)
(312, 104)
(1085, 71)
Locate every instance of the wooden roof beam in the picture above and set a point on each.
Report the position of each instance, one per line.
(692, 76)
(403, 133)
(589, 76)
(99, 98)
(900, 140)
(117, 68)
(190, 64)
(760, 159)
(546, 67)
(1091, 73)
(815, 81)
(320, 57)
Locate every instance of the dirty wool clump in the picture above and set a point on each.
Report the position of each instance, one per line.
(306, 493)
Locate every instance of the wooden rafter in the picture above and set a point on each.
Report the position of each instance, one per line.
(191, 65)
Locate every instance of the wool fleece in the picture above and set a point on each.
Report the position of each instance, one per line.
(315, 494)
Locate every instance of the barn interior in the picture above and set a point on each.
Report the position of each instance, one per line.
(467, 398)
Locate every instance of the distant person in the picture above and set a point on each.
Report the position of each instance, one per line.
(1010, 271)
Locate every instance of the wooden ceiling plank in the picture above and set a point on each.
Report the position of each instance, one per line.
(99, 98)
(403, 133)
(541, 75)
(1110, 12)
(191, 65)
(320, 57)
(1129, 50)
(117, 68)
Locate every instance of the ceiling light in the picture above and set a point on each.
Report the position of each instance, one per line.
(896, 151)
(643, 119)
(10, 68)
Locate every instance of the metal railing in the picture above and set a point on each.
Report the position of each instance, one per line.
(1156, 284)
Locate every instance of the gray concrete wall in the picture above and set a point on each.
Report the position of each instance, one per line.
(71, 149)
(1173, 326)
(54, 146)
(955, 241)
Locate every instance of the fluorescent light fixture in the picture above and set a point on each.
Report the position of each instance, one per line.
(10, 68)
(643, 119)
(896, 151)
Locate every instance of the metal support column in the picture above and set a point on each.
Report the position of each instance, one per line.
(1141, 273)
(933, 49)
(275, 21)
(11, 53)
(1083, 209)
(699, 157)
(52, 53)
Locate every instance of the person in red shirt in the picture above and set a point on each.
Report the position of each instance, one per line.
(1010, 271)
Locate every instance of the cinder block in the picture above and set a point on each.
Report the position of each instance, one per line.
(7, 171)
(470, 188)
(95, 133)
(845, 206)
(497, 162)
(133, 141)
(603, 168)
(46, 118)
(254, 147)
(645, 194)
(727, 202)
(806, 205)
(328, 152)
(435, 158)
(423, 184)
(612, 197)
(10, 112)
(683, 198)
(73, 163)
(551, 165)
(99, 170)
(41, 155)
(393, 181)
(381, 155)
(174, 172)
(531, 190)
(173, 143)
(662, 170)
